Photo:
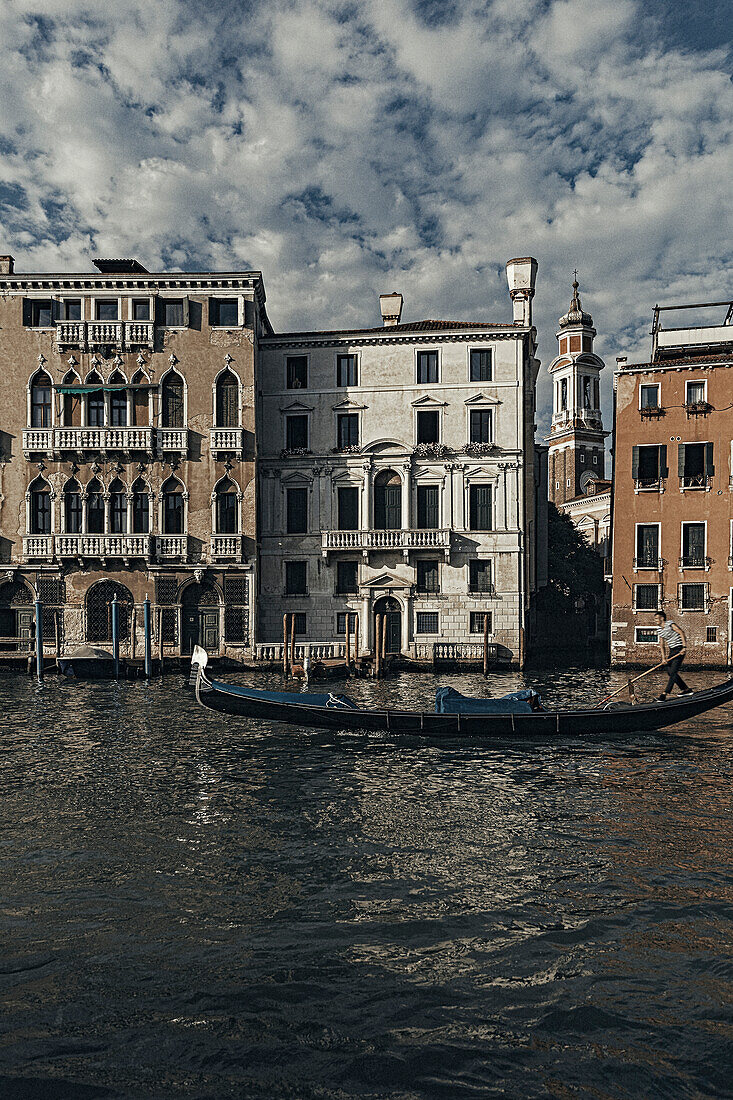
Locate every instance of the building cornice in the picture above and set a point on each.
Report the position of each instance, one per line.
(188, 281)
(348, 339)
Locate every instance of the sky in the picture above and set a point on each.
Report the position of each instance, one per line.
(346, 149)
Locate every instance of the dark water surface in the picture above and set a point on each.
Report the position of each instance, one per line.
(196, 906)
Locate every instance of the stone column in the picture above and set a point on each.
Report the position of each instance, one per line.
(366, 497)
(406, 495)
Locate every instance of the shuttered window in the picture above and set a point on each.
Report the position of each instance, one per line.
(427, 507)
(480, 426)
(480, 370)
(348, 508)
(480, 508)
(296, 432)
(427, 367)
(297, 511)
(427, 576)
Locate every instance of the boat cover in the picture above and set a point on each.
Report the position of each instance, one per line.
(302, 698)
(450, 701)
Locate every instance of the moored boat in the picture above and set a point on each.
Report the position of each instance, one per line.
(473, 718)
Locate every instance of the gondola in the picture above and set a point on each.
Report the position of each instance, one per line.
(337, 712)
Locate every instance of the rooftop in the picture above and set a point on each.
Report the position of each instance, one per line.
(684, 330)
(409, 326)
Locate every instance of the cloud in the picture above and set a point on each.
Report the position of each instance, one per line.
(345, 148)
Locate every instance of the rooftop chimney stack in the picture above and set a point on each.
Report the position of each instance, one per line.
(521, 275)
(391, 307)
(7, 265)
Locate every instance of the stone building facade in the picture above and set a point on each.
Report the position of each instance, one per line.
(397, 477)
(673, 488)
(127, 455)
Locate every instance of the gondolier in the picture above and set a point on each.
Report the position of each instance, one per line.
(673, 644)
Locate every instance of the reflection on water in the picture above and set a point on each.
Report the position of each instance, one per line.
(199, 906)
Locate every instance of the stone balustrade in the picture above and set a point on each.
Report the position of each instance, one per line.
(91, 334)
(171, 547)
(37, 439)
(316, 651)
(373, 539)
(101, 333)
(171, 440)
(37, 546)
(226, 547)
(228, 440)
(103, 546)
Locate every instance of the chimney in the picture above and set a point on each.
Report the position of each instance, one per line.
(521, 275)
(7, 265)
(391, 307)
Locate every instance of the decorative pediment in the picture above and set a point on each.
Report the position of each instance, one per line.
(387, 579)
(347, 405)
(296, 407)
(346, 477)
(428, 473)
(482, 399)
(428, 402)
(297, 477)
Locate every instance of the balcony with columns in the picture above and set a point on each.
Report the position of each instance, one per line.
(51, 441)
(171, 547)
(227, 441)
(90, 335)
(103, 546)
(379, 540)
(171, 441)
(226, 548)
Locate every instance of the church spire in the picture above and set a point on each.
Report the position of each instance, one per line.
(576, 315)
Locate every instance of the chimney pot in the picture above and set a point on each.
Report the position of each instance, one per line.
(391, 307)
(521, 274)
(7, 265)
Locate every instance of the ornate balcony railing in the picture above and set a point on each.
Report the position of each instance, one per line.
(103, 546)
(656, 564)
(101, 333)
(226, 439)
(317, 651)
(695, 481)
(37, 439)
(171, 440)
(168, 547)
(373, 539)
(37, 546)
(649, 485)
(103, 439)
(139, 334)
(71, 334)
(83, 334)
(695, 561)
(226, 546)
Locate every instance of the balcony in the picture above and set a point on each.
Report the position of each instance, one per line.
(97, 334)
(695, 561)
(36, 440)
(651, 412)
(226, 547)
(171, 547)
(226, 441)
(104, 333)
(385, 540)
(649, 485)
(104, 439)
(698, 408)
(38, 546)
(71, 334)
(655, 564)
(171, 441)
(139, 334)
(104, 546)
(696, 481)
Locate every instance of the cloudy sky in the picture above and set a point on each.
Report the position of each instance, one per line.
(348, 148)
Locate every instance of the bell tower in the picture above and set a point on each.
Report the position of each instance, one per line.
(576, 442)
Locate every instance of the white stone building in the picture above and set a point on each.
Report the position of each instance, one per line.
(396, 476)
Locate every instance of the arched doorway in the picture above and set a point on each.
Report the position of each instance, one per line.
(200, 617)
(390, 607)
(16, 616)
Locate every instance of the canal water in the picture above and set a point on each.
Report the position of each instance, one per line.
(198, 906)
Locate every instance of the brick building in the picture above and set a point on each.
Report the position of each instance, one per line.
(673, 482)
(127, 454)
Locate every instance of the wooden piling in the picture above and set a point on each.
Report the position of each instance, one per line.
(348, 640)
(160, 638)
(57, 633)
(377, 643)
(285, 646)
(356, 639)
(384, 642)
(292, 641)
(486, 645)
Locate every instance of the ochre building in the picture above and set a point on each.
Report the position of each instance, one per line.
(127, 455)
(673, 482)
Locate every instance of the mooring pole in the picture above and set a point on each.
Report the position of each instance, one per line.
(348, 640)
(39, 639)
(377, 645)
(486, 645)
(356, 639)
(146, 631)
(384, 641)
(116, 637)
(285, 646)
(292, 642)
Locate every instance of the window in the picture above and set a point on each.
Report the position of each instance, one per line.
(99, 611)
(173, 312)
(648, 396)
(341, 622)
(70, 309)
(346, 371)
(172, 401)
(95, 508)
(140, 509)
(647, 546)
(40, 510)
(595, 458)
(693, 546)
(296, 372)
(694, 393)
(479, 497)
(649, 465)
(227, 400)
(348, 509)
(72, 508)
(480, 426)
(296, 511)
(117, 402)
(428, 507)
(427, 367)
(427, 426)
(479, 576)
(427, 576)
(387, 501)
(236, 609)
(347, 430)
(480, 365)
(41, 401)
(226, 508)
(172, 509)
(582, 458)
(692, 597)
(299, 623)
(427, 622)
(563, 395)
(117, 508)
(95, 402)
(646, 597)
(645, 635)
(477, 621)
(106, 309)
(695, 465)
(586, 392)
(224, 312)
(296, 432)
(296, 583)
(38, 312)
(346, 578)
(711, 634)
(141, 309)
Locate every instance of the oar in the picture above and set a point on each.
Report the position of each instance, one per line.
(629, 683)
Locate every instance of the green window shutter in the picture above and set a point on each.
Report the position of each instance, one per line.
(663, 467)
(709, 465)
(680, 460)
(635, 463)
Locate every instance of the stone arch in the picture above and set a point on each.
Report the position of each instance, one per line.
(172, 399)
(40, 389)
(227, 388)
(388, 500)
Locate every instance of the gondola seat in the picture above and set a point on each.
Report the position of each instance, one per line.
(450, 701)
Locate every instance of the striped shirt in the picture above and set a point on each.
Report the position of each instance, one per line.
(669, 634)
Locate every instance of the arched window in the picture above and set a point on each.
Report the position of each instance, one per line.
(140, 400)
(71, 405)
(99, 611)
(40, 511)
(172, 507)
(95, 401)
(140, 508)
(41, 400)
(117, 508)
(227, 400)
(72, 507)
(226, 518)
(95, 508)
(118, 401)
(172, 400)
(387, 501)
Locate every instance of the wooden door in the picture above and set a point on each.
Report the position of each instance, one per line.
(392, 507)
(209, 630)
(25, 628)
(394, 632)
